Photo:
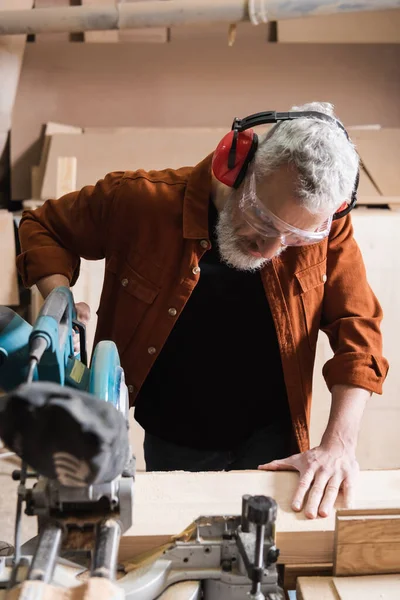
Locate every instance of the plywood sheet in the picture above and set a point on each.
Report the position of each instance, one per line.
(316, 588)
(99, 153)
(166, 503)
(380, 27)
(377, 233)
(378, 587)
(37, 172)
(380, 151)
(193, 82)
(9, 294)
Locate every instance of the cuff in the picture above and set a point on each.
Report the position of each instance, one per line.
(358, 369)
(37, 263)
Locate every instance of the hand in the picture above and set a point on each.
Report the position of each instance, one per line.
(82, 315)
(323, 470)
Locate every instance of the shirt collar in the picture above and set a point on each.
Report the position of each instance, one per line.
(196, 201)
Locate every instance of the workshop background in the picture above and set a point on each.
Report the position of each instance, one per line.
(76, 106)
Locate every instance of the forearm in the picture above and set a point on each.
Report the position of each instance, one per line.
(47, 284)
(347, 408)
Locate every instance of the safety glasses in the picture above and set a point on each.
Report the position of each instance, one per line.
(268, 225)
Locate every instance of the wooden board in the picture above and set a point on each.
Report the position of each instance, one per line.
(367, 542)
(380, 152)
(182, 84)
(37, 172)
(99, 153)
(9, 293)
(378, 587)
(378, 27)
(377, 233)
(166, 503)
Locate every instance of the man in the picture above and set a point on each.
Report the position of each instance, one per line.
(217, 280)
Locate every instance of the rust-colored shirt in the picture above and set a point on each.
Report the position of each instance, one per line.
(152, 229)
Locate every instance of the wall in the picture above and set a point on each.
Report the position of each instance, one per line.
(194, 81)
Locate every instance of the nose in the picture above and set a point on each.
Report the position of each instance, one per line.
(268, 247)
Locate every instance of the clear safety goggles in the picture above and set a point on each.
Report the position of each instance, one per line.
(268, 225)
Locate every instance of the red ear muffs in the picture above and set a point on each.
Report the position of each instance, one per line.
(246, 146)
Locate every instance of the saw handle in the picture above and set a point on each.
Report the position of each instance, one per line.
(81, 329)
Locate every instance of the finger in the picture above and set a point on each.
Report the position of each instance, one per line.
(316, 493)
(284, 464)
(82, 312)
(75, 340)
(330, 496)
(348, 488)
(304, 484)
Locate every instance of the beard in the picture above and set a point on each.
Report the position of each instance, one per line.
(229, 243)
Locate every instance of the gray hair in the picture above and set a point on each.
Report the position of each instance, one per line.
(326, 160)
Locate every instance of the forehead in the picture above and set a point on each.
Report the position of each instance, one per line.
(278, 192)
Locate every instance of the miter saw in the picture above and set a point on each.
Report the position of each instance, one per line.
(69, 423)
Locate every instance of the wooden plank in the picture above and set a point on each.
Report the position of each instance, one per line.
(378, 587)
(66, 175)
(166, 503)
(37, 172)
(316, 588)
(147, 148)
(367, 542)
(9, 293)
(379, 151)
(291, 573)
(368, 558)
(379, 27)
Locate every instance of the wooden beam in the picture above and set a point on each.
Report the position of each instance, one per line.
(166, 503)
(367, 542)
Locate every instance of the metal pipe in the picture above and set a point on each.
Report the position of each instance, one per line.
(45, 558)
(172, 13)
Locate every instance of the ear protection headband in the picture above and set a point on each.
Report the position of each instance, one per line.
(237, 148)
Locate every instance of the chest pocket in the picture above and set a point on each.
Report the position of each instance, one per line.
(126, 298)
(311, 284)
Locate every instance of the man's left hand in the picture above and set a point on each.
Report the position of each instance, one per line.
(323, 471)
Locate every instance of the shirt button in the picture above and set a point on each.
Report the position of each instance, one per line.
(172, 312)
(130, 389)
(196, 270)
(151, 350)
(124, 282)
(204, 243)
(324, 277)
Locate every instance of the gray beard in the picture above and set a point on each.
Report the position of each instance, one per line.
(229, 249)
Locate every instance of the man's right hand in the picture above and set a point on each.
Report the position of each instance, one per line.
(82, 315)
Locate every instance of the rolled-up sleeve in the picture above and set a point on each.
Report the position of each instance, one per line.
(351, 316)
(56, 235)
